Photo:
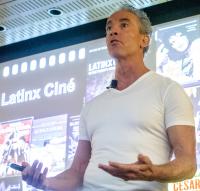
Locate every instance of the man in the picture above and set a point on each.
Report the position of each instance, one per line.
(138, 125)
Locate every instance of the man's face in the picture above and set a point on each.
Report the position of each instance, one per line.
(123, 37)
(179, 42)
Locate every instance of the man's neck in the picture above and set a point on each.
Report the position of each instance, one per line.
(127, 73)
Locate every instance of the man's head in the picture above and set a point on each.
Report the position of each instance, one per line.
(128, 29)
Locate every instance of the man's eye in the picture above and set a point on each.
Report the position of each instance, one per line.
(124, 25)
(108, 28)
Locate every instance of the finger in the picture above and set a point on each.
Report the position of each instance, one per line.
(105, 167)
(135, 176)
(126, 168)
(25, 164)
(25, 171)
(144, 159)
(126, 176)
(109, 169)
(31, 172)
(120, 166)
(37, 174)
(42, 179)
(131, 175)
(114, 171)
(45, 172)
(144, 168)
(134, 168)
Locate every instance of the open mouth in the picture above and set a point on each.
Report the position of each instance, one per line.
(114, 42)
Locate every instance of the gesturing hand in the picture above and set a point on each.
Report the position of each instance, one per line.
(33, 176)
(140, 170)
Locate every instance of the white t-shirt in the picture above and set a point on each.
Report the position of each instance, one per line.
(122, 124)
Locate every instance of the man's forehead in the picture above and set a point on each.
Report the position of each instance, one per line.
(122, 15)
(120, 20)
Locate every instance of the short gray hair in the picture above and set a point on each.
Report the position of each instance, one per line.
(145, 24)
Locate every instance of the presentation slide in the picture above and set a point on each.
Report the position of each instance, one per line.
(42, 95)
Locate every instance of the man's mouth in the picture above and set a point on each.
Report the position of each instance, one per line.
(114, 41)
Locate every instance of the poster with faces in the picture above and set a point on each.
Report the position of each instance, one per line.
(177, 54)
(14, 144)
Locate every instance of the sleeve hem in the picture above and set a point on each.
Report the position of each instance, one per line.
(83, 139)
(180, 123)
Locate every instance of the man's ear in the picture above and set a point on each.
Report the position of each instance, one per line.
(145, 41)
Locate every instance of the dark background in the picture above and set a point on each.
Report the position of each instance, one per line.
(161, 13)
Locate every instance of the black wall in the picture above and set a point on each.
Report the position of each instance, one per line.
(165, 12)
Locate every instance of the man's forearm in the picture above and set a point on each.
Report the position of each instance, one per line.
(66, 181)
(176, 170)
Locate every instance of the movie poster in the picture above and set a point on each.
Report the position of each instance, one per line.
(177, 55)
(14, 144)
(100, 69)
(73, 138)
(48, 142)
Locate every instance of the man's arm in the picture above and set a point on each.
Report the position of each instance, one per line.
(68, 180)
(183, 166)
(183, 142)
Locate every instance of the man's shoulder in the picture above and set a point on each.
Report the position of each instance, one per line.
(161, 79)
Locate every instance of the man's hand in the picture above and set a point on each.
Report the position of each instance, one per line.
(140, 170)
(33, 176)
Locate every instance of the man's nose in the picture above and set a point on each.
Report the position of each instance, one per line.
(113, 33)
(114, 30)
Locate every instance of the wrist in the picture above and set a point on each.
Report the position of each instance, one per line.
(45, 185)
(157, 174)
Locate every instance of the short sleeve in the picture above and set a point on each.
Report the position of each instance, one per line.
(178, 107)
(83, 133)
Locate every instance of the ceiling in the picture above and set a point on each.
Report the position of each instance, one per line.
(25, 19)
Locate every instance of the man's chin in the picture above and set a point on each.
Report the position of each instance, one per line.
(116, 55)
